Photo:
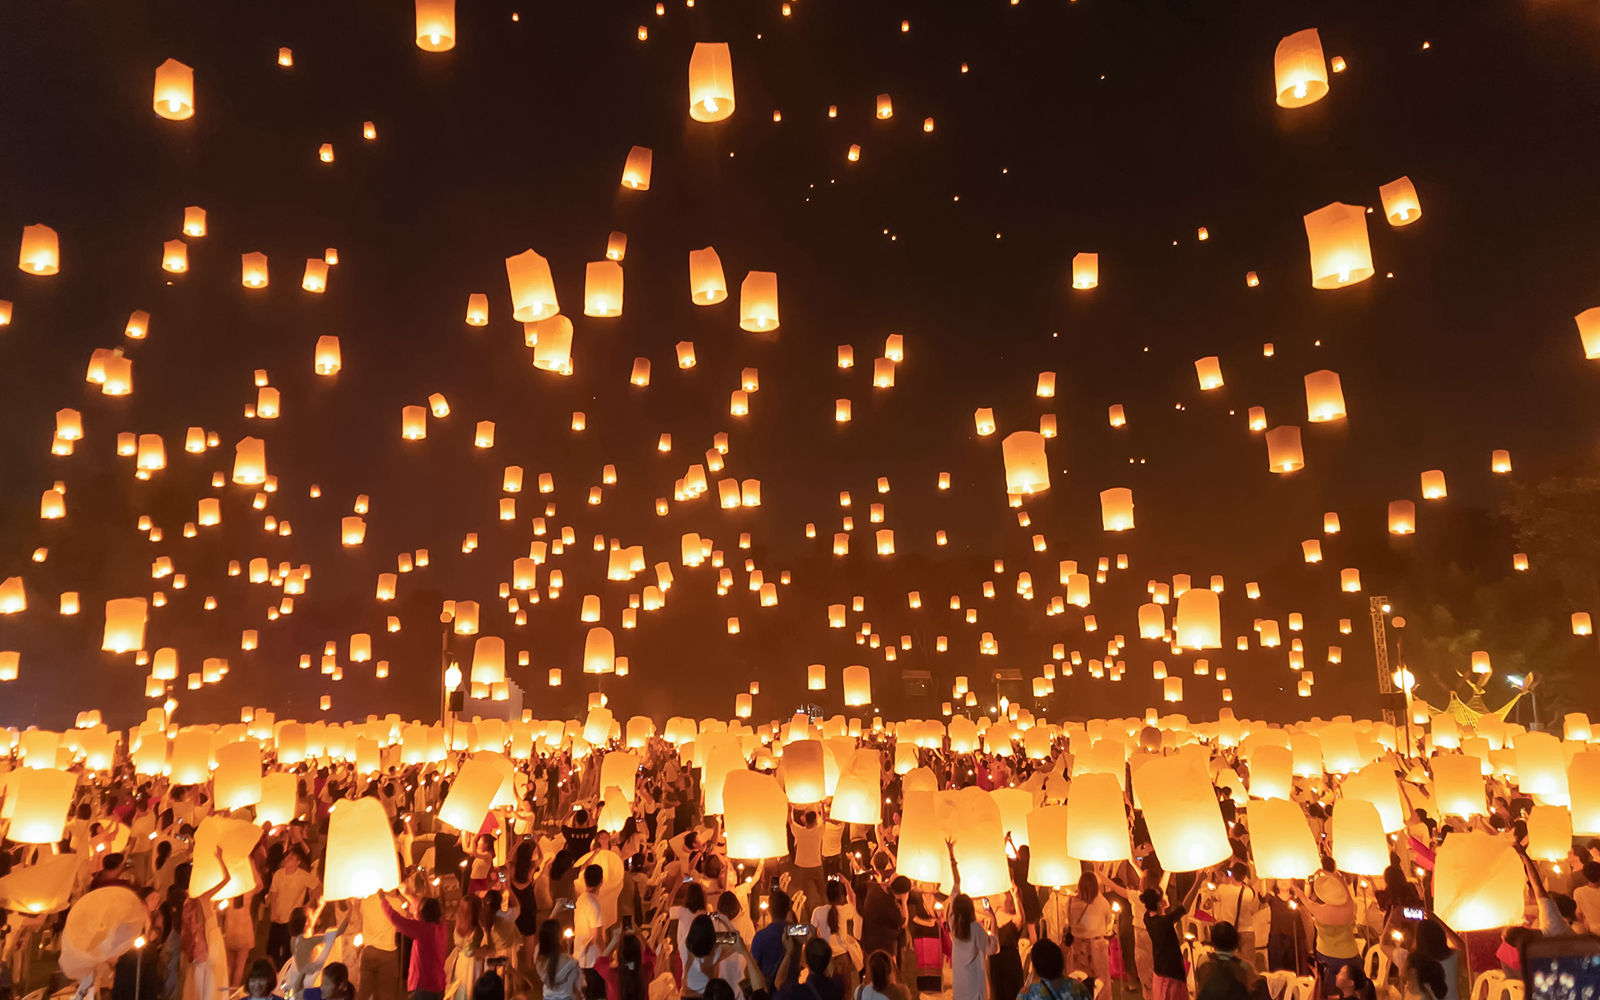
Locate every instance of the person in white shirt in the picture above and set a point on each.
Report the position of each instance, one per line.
(806, 869)
(588, 925)
(380, 954)
(292, 888)
(1588, 898)
(1091, 922)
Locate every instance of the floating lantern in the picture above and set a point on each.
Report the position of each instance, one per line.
(1283, 449)
(236, 783)
(803, 777)
(553, 350)
(175, 256)
(599, 651)
(1085, 270)
(1199, 619)
(41, 251)
(1581, 624)
(816, 673)
(253, 270)
(1180, 810)
(1479, 882)
(707, 286)
(1588, 329)
(1402, 517)
(1400, 204)
(755, 816)
(1116, 509)
(477, 309)
(125, 620)
(710, 82)
(533, 291)
(602, 288)
(476, 785)
(328, 359)
(1324, 397)
(984, 419)
(1209, 371)
(1280, 841)
(436, 25)
(616, 245)
(885, 106)
(1027, 467)
(1583, 781)
(857, 681)
(758, 301)
(316, 276)
(361, 856)
(1541, 767)
(1340, 253)
(1299, 69)
(174, 93)
(1359, 845)
(980, 855)
(636, 170)
(194, 221)
(138, 325)
(1433, 487)
(1350, 580)
(414, 422)
(1500, 461)
(38, 800)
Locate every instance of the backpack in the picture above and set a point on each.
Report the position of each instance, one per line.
(1223, 983)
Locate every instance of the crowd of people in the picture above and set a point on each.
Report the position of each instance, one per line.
(542, 902)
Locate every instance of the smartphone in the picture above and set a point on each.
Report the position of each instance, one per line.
(772, 886)
(986, 905)
(1555, 968)
(497, 963)
(728, 939)
(1414, 913)
(799, 930)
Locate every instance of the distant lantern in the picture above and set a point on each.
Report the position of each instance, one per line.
(1350, 580)
(125, 621)
(1311, 549)
(138, 325)
(194, 221)
(1402, 517)
(1581, 624)
(1027, 467)
(316, 276)
(1300, 70)
(1330, 523)
(1210, 372)
(983, 418)
(1324, 397)
(707, 286)
(885, 106)
(1588, 329)
(553, 351)
(1283, 449)
(816, 677)
(436, 25)
(1433, 487)
(477, 309)
(250, 462)
(533, 291)
(1400, 202)
(1198, 623)
(710, 82)
(175, 256)
(1500, 461)
(1116, 416)
(857, 683)
(253, 270)
(1046, 386)
(41, 251)
(1116, 509)
(1085, 270)
(841, 411)
(599, 651)
(854, 153)
(174, 95)
(636, 170)
(327, 359)
(413, 422)
(640, 375)
(1258, 418)
(1340, 253)
(602, 288)
(758, 301)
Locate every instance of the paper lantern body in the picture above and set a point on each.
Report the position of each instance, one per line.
(436, 25)
(237, 838)
(1097, 823)
(46, 887)
(707, 286)
(599, 652)
(1400, 204)
(1050, 861)
(361, 857)
(475, 787)
(278, 804)
(602, 288)
(1027, 467)
(237, 781)
(1359, 845)
(1284, 453)
(1324, 397)
(1180, 809)
(1116, 509)
(858, 797)
(174, 93)
(1583, 781)
(250, 462)
(636, 169)
(758, 302)
(1340, 253)
(710, 82)
(981, 858)
(1085, 270)
(1478, 882)
(923, 855)
(857, 681)
(1271, 772)
(41, 251)
(803, 775)
(1376, 784)
(533, 291)
(1458, 785)
(1300, 71)
(1541, 767)
(1549, 833)
(125, 620)
(42, 798)
(553, 350)
(1280, 840)
(1199, 620)
(755, 814)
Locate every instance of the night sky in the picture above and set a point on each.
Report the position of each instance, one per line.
(1111, 126)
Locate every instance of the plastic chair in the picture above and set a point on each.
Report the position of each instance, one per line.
(1511, 989)
(1278, 983)
(1486, 986)
(1303, 988)
(1377, 965)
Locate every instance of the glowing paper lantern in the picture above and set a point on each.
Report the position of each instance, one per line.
(707, 286)
(816, 673)
(475, 787)
(857, 681)
(758, 302)
(533, 291)
(1359, 846)
(1400, 204)
(636, 170)
(1324, 397)
(41, 251)
(710, 82)
(361, 855)
(1583, 780)
(174, 93)
(755, 816)
(1284, 453)
(38, 799)
(1588, 330)
(1027, 467)
(803, 777)
(1116, 509)
(236, 838)
(1300, 71)
(1458, 785)
(1402, 517)
(858, 796)
(1280, 840)
(436, 25)
(1180, 809)
(1478, 882)
(980, 851)
(553, 350)
(1085, 270)
(602, 290)
(125, 619)
(1097, 824)
(174, 256)
(1199, 620)
(1549, 833)
(1050, 860)
(1541, 767)
(253, 270)
(599, 651)
(236, 783)
(1340, 253)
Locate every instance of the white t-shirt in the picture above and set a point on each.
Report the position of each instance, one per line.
(1588, 899)
(587, 923)
(807, 845)
(1091, 920)
(847, 920)
(564, 985)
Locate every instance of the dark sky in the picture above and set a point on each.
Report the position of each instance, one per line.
(1113, 127)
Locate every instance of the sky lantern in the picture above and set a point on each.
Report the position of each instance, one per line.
(1581, 624)
(1116, 509)
(1085, 271)
(1433, 486)
(599, 651)
(803, 778)
(52, 505)
(857, 682)
(361, 856)
(1280, 840)
(1541, 766)
(1500, 461)
(1271, 772)
(755, 816)
(1479, 882)
(817, 676)
(1549, 833)
(923, 854)
(253, 270)
(1350, 580)
(983, 417)
(413, 422)
(1400, 204)
(236, 783)
(1402, 517)
(636, 169)
(175, 256)
(857, 797)
(124, 629)
(1209, 371)
(710, 82)
(1359, 844)
(1027, 467)
(1180, 810)
(38, 799)
(316, 275)
(1300, 71)
(1311, 549)
(1199, 620)
(758, 302)
(41, 251)
(602, 288)
(474, 789)
(1583, 781)
(1283, 449)
(1050, 860)
(194, 221)
(1340, 253)
(1152, 621)
(885, 106)
(707, 286)
(552, 351)
(436, 25)
(174, 93)
(1324, 397)
(980, 855)
(138, 325)
(533, 291)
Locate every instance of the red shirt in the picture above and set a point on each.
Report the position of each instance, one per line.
(429, 945)
(606, 966)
